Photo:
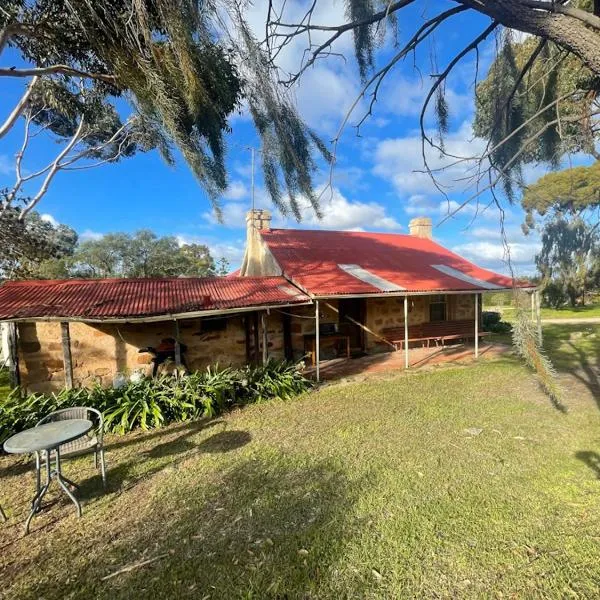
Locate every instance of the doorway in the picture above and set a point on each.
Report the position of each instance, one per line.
(353, 309)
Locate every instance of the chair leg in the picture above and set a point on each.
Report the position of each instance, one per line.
(95, 459)
(103, 467)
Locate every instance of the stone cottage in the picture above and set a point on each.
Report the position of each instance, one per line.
(299, 293)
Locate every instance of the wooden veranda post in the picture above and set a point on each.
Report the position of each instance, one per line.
(476, 325)
(406, 332)
(67, 358)
(177, 345)
(265, 341)
(13, 355)
(317, 342)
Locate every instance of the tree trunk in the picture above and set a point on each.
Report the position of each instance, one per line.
(566, 31)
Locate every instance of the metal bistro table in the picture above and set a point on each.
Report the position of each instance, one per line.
(47, 439)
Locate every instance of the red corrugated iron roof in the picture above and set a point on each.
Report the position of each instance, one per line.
(100, 299)
(312, 259)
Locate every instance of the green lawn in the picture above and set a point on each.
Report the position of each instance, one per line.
(454, 483)
(571, 346)
(579, 312)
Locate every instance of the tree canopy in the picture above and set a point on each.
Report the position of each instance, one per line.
(27, 243)
(574, 191)
(183, 67)
(569, 260)
(143, 254)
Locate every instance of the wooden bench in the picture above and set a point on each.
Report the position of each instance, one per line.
(439, 332)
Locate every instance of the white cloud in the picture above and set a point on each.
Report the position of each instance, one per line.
(341, 213)
(324, 96)
(88, 234)
(236, 191)
(399, 161)
(405, 97)
(338, 213)
(420, 205)
(234, 215)
(48, 218)
(495, 252)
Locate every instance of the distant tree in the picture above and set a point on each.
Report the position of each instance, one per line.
(568, 260)
(198, 260)
(26, 245)
(223, 267)
(103, 257)
(182, 66)
(143, 254)
(574, 192)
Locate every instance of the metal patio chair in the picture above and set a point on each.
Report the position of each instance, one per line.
(86, 444)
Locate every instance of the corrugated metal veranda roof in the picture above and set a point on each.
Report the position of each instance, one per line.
(122, 299)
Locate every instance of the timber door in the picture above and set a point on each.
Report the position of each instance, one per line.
(350, 310)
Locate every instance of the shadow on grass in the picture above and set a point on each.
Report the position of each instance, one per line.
(161, 456)
(590, 459)
(576, 359)
(269, 527)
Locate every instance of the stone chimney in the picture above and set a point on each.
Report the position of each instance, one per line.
(258, 219)
(421, 227)
(258, 260)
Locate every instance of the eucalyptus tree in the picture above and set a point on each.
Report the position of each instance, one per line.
(111, 77)
(568, 260)
(27, 244)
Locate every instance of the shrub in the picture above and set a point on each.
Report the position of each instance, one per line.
(151, 403)
(491, 321)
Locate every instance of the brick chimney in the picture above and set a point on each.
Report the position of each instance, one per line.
(258, 219)
(421, 227)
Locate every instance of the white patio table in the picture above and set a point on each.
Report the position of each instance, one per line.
(47, 439)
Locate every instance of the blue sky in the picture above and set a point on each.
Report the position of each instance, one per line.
(376, 183)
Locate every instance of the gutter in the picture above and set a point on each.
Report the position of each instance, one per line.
(409, 293)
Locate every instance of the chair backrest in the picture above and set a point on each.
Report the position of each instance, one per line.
(78, 412)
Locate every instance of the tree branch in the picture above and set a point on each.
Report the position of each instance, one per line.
(57, 70)
(19, 108)
(56, 165)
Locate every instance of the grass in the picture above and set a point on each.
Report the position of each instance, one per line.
(570, 346)
(579, 312)
(459, 482)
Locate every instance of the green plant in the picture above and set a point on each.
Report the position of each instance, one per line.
(491, 321)
(151, 403)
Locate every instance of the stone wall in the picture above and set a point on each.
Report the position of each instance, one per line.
(99, 351)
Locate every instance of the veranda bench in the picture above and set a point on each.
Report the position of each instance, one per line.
(438, 332)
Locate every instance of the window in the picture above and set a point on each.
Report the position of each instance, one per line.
(210, 325)
(437, 308)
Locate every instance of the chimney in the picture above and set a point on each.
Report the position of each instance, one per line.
(421, 227)
(258, 219)
(258, 260)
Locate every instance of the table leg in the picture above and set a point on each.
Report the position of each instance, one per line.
(37, 500)
(63, 481)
